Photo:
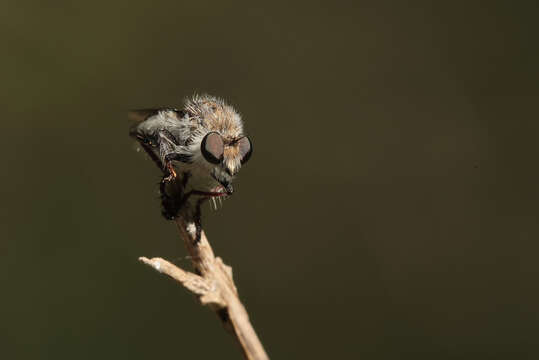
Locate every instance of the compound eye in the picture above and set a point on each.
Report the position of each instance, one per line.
(245, 149)
(212, 148)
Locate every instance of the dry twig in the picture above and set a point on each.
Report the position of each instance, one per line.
(214, 287)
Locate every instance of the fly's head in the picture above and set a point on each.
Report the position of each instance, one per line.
(221, 147)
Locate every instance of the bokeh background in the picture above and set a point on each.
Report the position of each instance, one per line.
(389, 210)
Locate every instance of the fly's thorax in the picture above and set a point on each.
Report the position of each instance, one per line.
(213, 114)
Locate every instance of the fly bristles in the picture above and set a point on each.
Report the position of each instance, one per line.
(216, 202)
(232, 159)
(215, 115)
(233, 165)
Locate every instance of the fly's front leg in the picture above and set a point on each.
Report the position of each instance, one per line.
(169, 150)
(173, 195)
(169, 169)
(163, 148)
(169, 203)
(167, 146)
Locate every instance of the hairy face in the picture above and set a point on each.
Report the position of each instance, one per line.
(223, 148)
(225, 155)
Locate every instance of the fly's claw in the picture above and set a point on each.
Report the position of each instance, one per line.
(171, 173)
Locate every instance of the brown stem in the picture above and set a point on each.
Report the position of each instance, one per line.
(214, 287)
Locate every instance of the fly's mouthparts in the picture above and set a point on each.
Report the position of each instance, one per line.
(217, 192)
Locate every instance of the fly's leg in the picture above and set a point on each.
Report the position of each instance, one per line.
(167, 144)
(173, 195)
(169, 204)
(161, 148)
(172, 187)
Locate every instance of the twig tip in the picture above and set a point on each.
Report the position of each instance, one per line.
(155, 263)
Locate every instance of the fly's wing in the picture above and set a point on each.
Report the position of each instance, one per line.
(136, 117)
(146, 140)
(147, 123)
(140, 115)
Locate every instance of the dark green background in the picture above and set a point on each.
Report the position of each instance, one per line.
(389, 210)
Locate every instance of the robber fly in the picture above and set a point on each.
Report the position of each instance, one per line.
(199, 149)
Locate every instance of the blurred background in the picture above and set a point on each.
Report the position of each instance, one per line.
(389, 210)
